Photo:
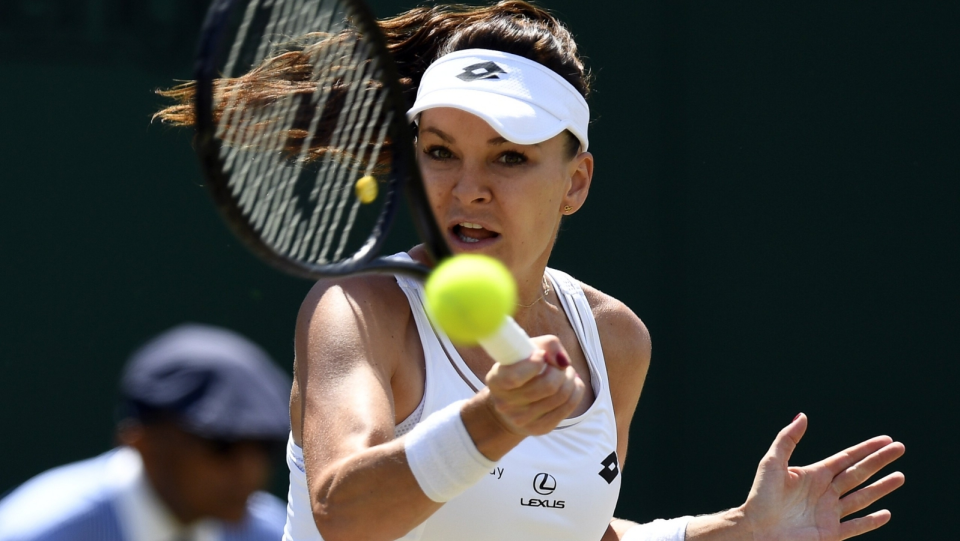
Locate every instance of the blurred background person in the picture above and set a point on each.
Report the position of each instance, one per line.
(203, 414)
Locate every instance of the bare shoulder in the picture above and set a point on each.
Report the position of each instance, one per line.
(340, 316)
(625, 339)
(354, 336)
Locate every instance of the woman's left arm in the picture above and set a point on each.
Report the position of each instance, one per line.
(786, 502)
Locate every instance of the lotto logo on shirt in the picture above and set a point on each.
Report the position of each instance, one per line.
(543, 484)
(611, 468)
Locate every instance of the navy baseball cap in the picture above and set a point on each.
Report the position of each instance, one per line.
(215, 383)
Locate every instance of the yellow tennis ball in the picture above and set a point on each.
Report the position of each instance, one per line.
(366, 189)
(469, 296)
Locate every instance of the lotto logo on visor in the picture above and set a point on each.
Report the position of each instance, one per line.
(483, 70)
(528, 104)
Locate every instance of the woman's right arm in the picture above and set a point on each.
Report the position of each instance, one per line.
(359, 354)
(349, 343)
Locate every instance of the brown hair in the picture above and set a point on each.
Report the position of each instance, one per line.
(415, 38)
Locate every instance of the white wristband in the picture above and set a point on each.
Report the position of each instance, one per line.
(442, 455)
(674, 529)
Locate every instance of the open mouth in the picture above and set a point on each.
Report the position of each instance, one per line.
(472, 233)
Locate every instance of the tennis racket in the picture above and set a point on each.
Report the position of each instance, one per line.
(309, 166)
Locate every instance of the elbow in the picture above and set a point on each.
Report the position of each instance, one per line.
(362, 508)
(334, 510)
(348, 523)
(325, 518)
(342, 523)
(333, 521)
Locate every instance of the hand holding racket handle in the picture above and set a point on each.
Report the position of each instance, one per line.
(509, 344)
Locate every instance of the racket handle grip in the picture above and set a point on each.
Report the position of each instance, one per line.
(509, 344)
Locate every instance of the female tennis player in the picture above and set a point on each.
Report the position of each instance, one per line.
(399, 434)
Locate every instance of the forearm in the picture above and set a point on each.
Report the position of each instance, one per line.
(371, 495)
(723, 526)
(728, 525)
(376, 482)
(404, 481)
(617, 528)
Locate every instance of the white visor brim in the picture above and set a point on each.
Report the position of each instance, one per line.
(517, 121)
(524, 101)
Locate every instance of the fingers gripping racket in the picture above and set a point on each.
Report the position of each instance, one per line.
(303, 138)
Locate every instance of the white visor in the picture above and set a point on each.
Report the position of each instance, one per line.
(524, 101)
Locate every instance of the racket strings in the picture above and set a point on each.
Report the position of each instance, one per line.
(356, 119)
(330, 212)
(301, 126)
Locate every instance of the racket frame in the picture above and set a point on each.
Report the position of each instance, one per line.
(508, 345)
(404, 175)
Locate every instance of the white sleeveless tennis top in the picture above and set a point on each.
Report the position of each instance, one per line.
(560, 486)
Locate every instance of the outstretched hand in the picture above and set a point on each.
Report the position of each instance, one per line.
(807, 503)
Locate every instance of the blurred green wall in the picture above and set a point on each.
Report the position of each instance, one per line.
(776, 195)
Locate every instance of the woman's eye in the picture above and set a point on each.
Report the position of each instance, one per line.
(438, 152)
(512, 158)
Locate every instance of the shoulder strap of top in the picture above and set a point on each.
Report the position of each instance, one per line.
(581, 318)
(414, 292)
(405, 282)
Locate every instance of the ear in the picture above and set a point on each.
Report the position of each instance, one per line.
(580, 174)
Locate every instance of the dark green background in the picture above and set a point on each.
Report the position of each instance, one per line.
(776, 195)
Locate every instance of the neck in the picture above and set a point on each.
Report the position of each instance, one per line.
(538, 295)
(541, 301)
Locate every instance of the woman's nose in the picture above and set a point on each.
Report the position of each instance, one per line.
(472, 185)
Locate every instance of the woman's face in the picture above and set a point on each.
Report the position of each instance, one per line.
(496, 197)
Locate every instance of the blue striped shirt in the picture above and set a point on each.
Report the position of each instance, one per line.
(107, 498)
